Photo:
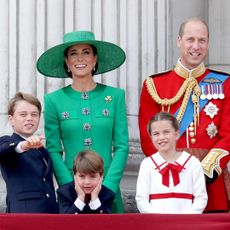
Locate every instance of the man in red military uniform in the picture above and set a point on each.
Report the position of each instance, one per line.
(200, 99)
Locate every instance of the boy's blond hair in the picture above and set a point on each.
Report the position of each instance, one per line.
(23, 97)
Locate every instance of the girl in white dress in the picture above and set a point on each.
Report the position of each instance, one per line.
(169, 181)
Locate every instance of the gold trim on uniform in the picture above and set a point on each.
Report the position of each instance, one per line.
(189, 86)
(185, 73)
(212, 80)
(211, 162)
(186, 90)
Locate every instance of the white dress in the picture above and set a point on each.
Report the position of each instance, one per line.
(188, 196)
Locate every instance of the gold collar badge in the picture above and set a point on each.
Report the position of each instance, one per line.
(184, 72)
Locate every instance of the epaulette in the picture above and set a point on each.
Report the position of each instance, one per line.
(160, 74)
(219, 72)
(211, 161)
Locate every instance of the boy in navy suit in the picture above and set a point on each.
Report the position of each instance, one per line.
(86, 194)
(25, 163)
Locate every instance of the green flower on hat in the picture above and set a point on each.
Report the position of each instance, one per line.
(109, 55)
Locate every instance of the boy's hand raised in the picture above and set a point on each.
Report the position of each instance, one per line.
(33, 142)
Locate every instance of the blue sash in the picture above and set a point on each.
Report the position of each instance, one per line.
(188, 115)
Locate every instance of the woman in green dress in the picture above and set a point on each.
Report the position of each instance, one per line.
(85, 114)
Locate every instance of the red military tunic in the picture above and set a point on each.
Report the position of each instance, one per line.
(211, 143)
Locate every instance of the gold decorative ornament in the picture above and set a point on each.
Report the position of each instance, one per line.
(193, 140)
(108, 98)
(190, 85)
(189, 88)
(211, 162)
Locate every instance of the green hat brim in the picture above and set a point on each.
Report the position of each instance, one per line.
(109, 57)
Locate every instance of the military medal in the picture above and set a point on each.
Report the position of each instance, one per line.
(211, 130)
(214, 94)
(209, 95)
(221, 94)
(203, 95)
(211, 109)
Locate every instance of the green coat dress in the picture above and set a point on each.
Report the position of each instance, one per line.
(97, 120)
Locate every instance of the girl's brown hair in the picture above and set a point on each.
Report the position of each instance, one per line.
(163, 116)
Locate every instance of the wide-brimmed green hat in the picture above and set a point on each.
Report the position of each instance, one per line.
(109, 55)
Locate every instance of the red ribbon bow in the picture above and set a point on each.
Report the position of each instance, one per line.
(175, 170)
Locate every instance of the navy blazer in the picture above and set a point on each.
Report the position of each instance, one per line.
(67, 196)
(28, 177)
